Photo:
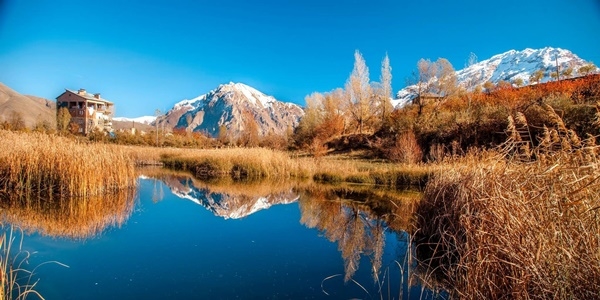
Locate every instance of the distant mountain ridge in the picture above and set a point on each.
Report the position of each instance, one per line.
(232, 105)
(508, 66)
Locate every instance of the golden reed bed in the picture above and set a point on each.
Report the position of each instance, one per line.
(521, 224)
(51, 165)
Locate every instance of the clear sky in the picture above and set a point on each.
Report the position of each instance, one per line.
(148, 55)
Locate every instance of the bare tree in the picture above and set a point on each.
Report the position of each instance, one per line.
(587, 69)
(518, 82)
(536, 76)
(359, 91)
(446, 83)
(568, 72)
(16, 121)
(488, 86)
(424, 77)
(471, 60)
(438, 78)
(157, 113)
(385, 91)
(250, 135)
(472, 84)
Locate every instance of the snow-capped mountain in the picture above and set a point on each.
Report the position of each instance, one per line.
(148, 120)
(230, 105)
(227, 205)
(509, 66)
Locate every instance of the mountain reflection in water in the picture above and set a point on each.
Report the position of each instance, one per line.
(355, 218)
(261, 245)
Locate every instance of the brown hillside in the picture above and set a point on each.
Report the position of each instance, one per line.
(33, 110)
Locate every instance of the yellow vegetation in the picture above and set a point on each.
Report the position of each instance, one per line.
(522, 223)
(55, 166)
(259, 163)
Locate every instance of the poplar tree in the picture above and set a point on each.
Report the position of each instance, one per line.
(359, 91)
(385, 105)
(63, 118)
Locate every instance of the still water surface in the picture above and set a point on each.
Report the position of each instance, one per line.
(183, 241)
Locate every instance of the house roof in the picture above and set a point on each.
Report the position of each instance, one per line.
(88, 96)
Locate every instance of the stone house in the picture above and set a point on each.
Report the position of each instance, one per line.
(88, 111)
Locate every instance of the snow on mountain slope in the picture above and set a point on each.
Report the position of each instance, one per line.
(229, 105)
(144, 120)
(508, 66)
(225, 205)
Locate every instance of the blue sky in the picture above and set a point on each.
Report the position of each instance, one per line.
(148, 55)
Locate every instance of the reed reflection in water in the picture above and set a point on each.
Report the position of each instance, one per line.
(70, 217)
(224, 239)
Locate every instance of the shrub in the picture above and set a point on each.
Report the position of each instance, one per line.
(406, 149)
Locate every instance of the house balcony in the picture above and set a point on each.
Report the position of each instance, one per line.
(82, 112)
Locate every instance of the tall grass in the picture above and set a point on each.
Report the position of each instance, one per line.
(35, 163)
(239, 163)
(521, 223)
(246, 164)
(16, 281)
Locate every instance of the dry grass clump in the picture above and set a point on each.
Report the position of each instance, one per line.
(52, 165)
(237, 163)
(258, 163)
(524, 227)
(15, 281)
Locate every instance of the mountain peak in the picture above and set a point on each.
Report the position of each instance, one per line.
(248, 93)
(230, 105)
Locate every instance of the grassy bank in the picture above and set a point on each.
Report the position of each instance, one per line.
(237, 163)
(49, 165)
(524, 227)
(247, 164)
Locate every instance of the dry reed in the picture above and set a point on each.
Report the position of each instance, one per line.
(50, 165)
(518, 224)
(16, 281)
(258, 163)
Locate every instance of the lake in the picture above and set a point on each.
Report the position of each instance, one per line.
(182, 238)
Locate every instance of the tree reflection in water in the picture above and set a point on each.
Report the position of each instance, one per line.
(356, 220)
(354, 217)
